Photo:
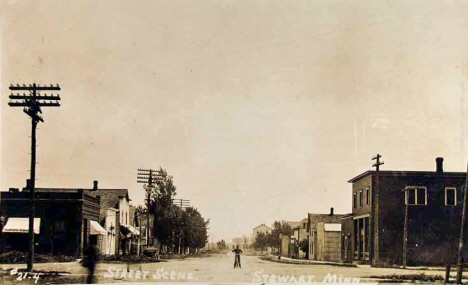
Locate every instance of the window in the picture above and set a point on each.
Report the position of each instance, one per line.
(450, 196)
(367, 196)
(416, 195)
(355, 200)
(360, 198)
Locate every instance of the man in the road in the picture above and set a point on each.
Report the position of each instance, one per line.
(237, 262)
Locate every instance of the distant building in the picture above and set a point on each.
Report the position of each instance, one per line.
(434, 201)
(290, 245)
(260, 229)
(65, 222)
(300, 234)
(242, 242)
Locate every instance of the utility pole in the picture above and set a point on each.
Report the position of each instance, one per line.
(405, 229)
(32, 103)
(182, 203)
(148, 177)
(462, 234)
(376, 202)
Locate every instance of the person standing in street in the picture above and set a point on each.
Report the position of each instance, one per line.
(90, 262)
(237, 261)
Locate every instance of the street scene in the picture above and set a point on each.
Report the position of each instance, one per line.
(217, 269)
(233, 142)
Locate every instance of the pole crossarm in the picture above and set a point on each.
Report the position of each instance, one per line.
(38, 97)
(33, 101)
(35, 87)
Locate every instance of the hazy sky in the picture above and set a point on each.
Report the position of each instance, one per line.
(261, 110)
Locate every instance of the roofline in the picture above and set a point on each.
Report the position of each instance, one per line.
(406, 173)
(87, 189)
(260, 226)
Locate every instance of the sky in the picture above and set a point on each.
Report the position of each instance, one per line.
(260, 110)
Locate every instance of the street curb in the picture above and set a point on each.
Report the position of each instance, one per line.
(306, 262)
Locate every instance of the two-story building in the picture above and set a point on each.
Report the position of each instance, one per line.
(114, 217)
(375, 231)
(64, 222)
(260, 229)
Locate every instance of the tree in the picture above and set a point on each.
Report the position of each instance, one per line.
(221, 244)
(169, 226)
(278, 228)
(261, 241)
(161, 205)
(195, 228)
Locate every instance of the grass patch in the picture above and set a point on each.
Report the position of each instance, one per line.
(408, 278)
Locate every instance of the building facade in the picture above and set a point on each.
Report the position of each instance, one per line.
(113, 216)
(66, 221)
(375, 232)
(322, 232)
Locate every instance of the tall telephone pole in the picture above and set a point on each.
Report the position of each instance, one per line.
(183, 204)
(148, 177)
(376, 251)
(32, 103)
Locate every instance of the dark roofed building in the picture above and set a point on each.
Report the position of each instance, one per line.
(66, 221)
(434, 201)
(114, 216)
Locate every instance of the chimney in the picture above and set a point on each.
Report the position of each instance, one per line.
(439, 163)
(95, 185)
(331, 211)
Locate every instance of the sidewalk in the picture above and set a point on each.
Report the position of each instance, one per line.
(305, 261)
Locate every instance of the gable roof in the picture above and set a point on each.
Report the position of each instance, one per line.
(262, 225)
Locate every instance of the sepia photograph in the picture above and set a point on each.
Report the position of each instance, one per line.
(233, 142)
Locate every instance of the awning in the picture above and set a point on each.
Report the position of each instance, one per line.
(21, 225)
(96, 229)
(134, 231)
(128, 230)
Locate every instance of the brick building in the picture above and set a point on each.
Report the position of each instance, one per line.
(434, 216)
(65, 222)
(114, 216)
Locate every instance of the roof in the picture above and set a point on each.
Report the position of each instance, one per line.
(112, 195)
(396, 173)
(122, 193)
(327, 218)
(262, 225)
(298, 224)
